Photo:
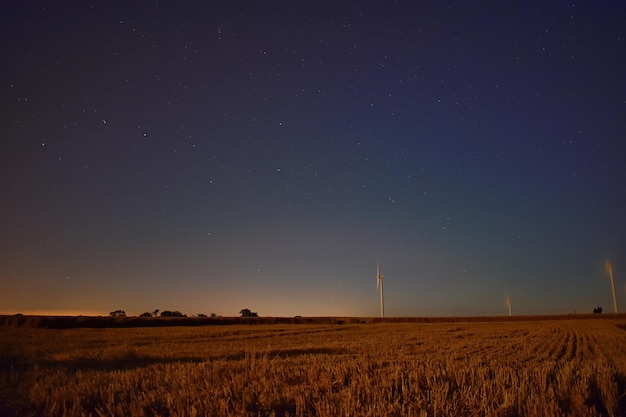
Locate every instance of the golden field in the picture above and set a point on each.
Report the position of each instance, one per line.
(567, 367)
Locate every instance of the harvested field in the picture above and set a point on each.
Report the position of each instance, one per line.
(571, 367)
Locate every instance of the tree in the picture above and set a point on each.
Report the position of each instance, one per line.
(247, 313)
(155, 313)
(172, 314)
(201, 315)
(118, 313)
(597, 310)
(146, 314)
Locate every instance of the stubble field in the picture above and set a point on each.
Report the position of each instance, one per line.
(527, 368)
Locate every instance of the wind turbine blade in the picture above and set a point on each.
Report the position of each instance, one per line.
(377, 274)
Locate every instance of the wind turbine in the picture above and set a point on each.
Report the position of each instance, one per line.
(609, 266)
(508, 303)
(379, 285)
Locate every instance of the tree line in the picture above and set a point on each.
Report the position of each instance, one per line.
(246, 312)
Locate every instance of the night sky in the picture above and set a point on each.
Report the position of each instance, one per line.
(212, 156)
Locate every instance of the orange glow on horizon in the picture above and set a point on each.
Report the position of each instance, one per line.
(54, 313)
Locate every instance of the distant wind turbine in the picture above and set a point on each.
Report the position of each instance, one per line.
(379, 285)
(508, 303)
(609, 266)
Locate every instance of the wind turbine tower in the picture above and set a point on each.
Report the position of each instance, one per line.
(609, 266)
(379, 286)
(508, 304)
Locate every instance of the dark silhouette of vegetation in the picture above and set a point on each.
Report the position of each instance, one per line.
(213, 315)
(71, 322)
(597, 310)
(172, 314)
(118, 313)
(146, 314)
(155, 313)
(201, 315)
(247, 313)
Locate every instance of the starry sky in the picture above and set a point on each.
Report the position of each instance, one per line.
(212, 156)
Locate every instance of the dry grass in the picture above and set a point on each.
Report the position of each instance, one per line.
(534, 368)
